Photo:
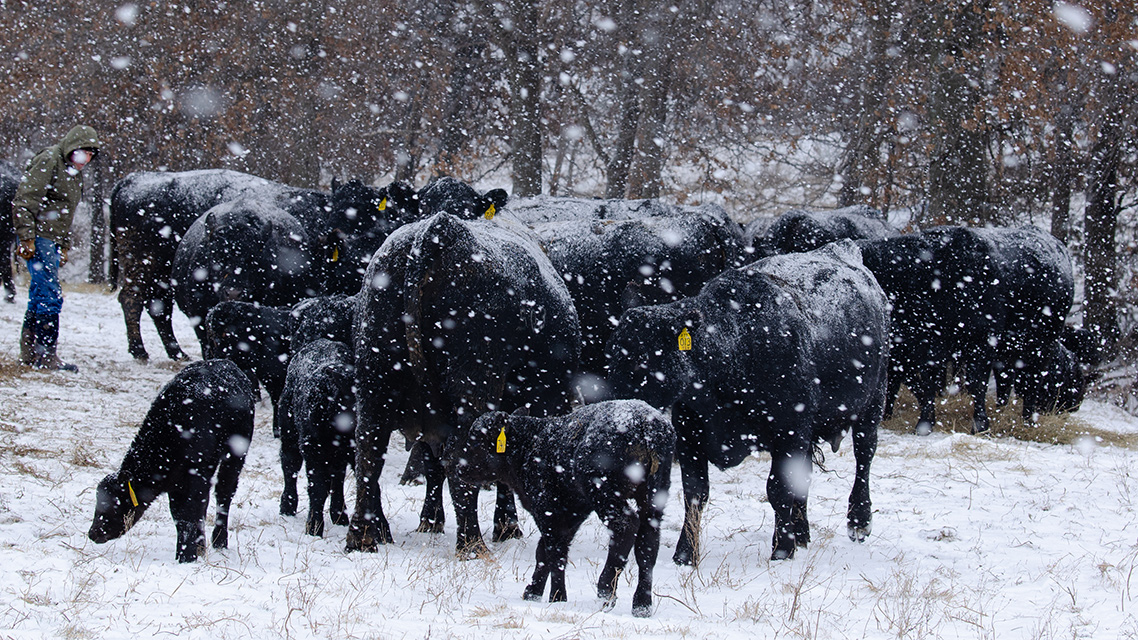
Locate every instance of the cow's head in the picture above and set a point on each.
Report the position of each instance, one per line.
(477, 454)
(119, 503)
(650, 355)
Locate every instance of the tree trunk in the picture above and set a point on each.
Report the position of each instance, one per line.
(958, 169)
(863, 154)
(1061, 175)
(525, 98)
(1100, 223)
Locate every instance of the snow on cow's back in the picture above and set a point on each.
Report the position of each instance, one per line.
(831, 284)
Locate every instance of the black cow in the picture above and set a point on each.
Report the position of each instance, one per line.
(362, 218)
(150, 212)
(804, 230)
(1038, 287)
(651, 253)
(455, 197)
(948, 309)
(9, 179)
(257, 339)
(200, 423)
(242, 250)
(612, 458)
(778, 355)
(317, 428)
(455, 319)
(328, 317)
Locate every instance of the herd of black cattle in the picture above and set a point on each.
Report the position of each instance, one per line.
(474, 326)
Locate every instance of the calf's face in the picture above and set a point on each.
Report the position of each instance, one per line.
(472, 454)
(117, 508)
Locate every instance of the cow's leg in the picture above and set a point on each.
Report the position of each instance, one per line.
(859, 517)
(319, 485)
(558, 558)
(976, 374)
(693, 472)
(925, 388)
(505, 516)
(369, 527)
(227, 473)
(291, 461)
(336, 507)
(469, 543)
(188, 504)
(623, 525)
(132, 315)
(786, 492)
(161, 312)
(647, 548)
(536, 586)
(6, 271)
(891, 393)
(432, 517)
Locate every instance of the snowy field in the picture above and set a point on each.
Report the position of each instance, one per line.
(972, 537)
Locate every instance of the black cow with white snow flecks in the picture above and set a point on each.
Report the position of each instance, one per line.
(200, 423)
(618, 254)
(317, 429)
(777, 356)
(152, 211)
(456, 318)
(611, 458)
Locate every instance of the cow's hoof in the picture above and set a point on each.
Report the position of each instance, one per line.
(531, 595)
(684, 557)
(923, 428)
(507, 531)
(858, 533)
(782, 554)
(314, 528)
(220, 538)
(430, 526)
(642, 611)
(341, 518)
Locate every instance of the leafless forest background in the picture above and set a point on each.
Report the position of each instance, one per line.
(962, 112)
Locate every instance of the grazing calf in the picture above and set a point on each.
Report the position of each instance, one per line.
(613, 458)
(317, 424)
(201, 422)
(256, 338)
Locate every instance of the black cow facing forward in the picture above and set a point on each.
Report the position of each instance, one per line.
(361, 219)
(455, 197)
(804, 230)
(777, 356)
(9, 180)
(612, 458)
(455, 319)
(200, 423)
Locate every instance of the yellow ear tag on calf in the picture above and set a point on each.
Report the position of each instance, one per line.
(489, 215)
(335, 254)
(502, 441)
(382, 205)
(130, 489)
(685, 340)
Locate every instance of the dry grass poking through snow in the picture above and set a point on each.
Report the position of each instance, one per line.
(954, 415)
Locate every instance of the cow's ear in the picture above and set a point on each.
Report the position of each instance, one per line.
(691, 319)
(497, 197)
(521, 411)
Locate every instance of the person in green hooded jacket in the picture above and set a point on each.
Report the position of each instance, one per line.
(42, 211)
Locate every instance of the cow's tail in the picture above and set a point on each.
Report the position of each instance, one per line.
(442, 233)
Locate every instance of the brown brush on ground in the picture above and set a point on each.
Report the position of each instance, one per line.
(954, 415)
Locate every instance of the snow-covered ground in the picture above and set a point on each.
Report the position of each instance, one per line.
(972, 537)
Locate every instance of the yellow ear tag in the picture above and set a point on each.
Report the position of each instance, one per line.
(685, 340)
(335, 254)
(502, 441)
(130, 489)
(382, 205)
(489, 215)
